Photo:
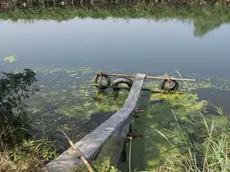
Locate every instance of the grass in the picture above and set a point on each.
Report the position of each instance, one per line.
(211, 155)
(99, 167)
(33, 155)
(183, 137)
(29, 156)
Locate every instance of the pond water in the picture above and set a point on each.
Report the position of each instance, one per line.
(132, 45)
(67, 54)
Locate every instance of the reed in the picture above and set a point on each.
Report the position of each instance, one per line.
(210, 154)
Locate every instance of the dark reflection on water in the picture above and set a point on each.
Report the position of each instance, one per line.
(7, 4)
(84, 127)
(217, 97)
(10, 4)
(134, 45)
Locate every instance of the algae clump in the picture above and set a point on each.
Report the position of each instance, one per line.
(10, 59)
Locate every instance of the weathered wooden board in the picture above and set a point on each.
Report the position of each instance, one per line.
(93, 141)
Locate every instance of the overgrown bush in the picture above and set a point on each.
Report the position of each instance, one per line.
(18, 152)
(14, 89)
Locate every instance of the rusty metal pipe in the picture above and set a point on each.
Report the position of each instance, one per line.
(147, 77)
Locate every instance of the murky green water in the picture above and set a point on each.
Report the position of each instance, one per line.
(67, 54)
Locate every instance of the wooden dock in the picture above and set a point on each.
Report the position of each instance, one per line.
(112, 131)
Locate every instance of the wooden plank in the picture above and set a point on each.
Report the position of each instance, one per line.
(135, 91)
(93, 141)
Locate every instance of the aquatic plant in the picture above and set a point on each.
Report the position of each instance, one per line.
(10, 59)
(70, 102)
(211, 154)
(67, 101)
(176, 141)
(18, 150)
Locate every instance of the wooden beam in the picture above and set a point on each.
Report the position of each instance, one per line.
(93, 142)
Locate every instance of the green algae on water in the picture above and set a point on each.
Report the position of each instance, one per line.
(162, 137)
(10, 59)
(67, 101)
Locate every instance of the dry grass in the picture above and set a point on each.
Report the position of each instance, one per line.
(31, 163)
(30, 156)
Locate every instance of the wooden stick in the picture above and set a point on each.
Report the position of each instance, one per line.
(147, 77)
(81, 157)
(181, 77)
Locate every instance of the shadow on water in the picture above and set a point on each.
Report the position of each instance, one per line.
(202, 28)
(8, 4)
(77, 129)
(138, 127)
(68, 102)
(75, 126)
(217, 97)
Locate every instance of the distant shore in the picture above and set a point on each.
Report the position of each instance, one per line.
(208, 12)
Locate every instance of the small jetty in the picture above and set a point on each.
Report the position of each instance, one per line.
(110, 137)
